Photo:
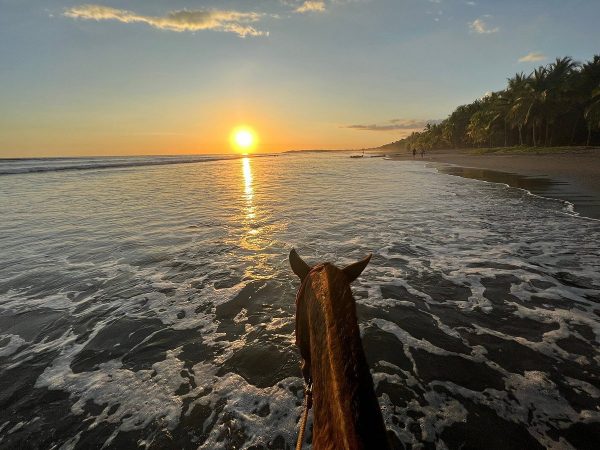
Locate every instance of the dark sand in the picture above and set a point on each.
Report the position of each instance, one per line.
(573, 175)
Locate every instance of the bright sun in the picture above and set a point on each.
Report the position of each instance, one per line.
(243, 139)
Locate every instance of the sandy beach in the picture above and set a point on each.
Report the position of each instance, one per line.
(572, 175)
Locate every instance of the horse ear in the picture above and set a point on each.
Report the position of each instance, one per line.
(299, 267)
(354, 270)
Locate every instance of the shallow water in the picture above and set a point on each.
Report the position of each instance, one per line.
(583, 201)
(153, 306)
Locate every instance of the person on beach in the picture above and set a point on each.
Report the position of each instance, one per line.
(414, 152)
(422, 153)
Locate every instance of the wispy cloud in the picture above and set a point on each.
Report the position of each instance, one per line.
(480, 26)
(183, 20)
(532, 57)
(395, 124)
(311, 6)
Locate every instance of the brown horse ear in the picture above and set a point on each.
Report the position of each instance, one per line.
(354, 270)
(299, 267)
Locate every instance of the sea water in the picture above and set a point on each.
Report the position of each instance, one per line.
(149, 302)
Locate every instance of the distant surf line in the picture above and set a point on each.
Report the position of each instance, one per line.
(78, 164)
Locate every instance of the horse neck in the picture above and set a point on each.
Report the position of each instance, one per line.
(346, 412)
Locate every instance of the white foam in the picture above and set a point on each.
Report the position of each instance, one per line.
(13, 344)
(139, 397)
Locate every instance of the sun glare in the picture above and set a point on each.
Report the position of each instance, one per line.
(243, 139)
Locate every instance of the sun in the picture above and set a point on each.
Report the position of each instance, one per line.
(243, 139)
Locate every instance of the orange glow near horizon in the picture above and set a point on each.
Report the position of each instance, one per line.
(243, 139)
(190, 131)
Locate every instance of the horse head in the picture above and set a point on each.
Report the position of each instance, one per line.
(346, 411)
(333, 285)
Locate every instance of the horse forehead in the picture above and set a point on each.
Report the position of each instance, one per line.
(326, 269)
(329, 275)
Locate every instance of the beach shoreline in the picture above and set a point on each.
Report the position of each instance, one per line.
(574, 173)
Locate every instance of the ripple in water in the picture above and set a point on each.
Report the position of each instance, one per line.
(153, 306)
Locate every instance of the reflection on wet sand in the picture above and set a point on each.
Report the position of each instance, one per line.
(586, 205)
(532, 184)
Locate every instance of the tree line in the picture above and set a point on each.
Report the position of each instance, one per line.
(555, 105)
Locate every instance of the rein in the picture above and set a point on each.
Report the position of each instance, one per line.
(307, 379)
(305, 409)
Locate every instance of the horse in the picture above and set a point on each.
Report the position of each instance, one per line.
(346, 414)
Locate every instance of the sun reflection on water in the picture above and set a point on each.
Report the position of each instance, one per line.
(250, 212)
(251, 227)
(255, 220)
(247, 170)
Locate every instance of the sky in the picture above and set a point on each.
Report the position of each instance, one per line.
(82, 78)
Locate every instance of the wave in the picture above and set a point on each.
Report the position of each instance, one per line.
(41, 165)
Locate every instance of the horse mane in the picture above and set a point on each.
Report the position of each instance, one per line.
(346, 413)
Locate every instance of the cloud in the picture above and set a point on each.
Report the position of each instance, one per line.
(311, 6)
(480, 26)
(183, 20)
(532, 57)
(393, 125)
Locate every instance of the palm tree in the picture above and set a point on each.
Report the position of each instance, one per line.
(548, 106)
(534, 99)
(517, 111)
(455, 126)
(592, 114)
(560, 88)
(499, 105)
(481, 125)
(589, 89)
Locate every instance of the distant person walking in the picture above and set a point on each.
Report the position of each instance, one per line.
(414, 152)
(422, 153)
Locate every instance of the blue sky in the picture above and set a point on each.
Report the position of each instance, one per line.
(148, 76)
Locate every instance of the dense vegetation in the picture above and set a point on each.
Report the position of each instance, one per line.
(555, 105)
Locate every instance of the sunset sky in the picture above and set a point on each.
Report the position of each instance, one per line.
(168, 77)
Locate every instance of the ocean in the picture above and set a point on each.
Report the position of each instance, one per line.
(148, 302)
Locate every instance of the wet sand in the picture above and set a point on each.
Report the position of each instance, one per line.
(573, 176)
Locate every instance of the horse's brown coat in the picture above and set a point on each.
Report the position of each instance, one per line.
(346, 413)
